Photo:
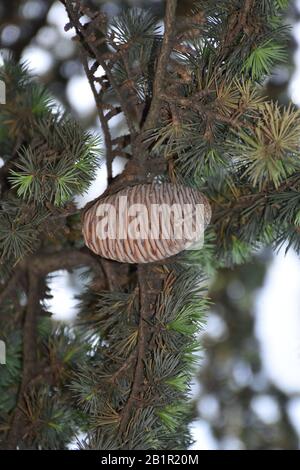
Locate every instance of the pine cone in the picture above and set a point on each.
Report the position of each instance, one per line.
(146, 222)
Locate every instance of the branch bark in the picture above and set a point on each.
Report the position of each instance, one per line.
(143, 339)
(12, 284)
(161, 70)
(150, 285)
(17, 427)
(237, 22)
(103, 120)
(45, 263)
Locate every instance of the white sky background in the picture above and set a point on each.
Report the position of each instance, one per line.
(278, 303)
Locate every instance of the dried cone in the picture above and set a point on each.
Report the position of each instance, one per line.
(146, 222)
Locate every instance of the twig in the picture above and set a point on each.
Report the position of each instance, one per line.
(124, 366)
(113, 112)
(220, 210)
(103, 120)
(194, 103)
(122, 140)
(94, 52)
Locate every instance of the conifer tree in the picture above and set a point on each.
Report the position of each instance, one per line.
(192, 99)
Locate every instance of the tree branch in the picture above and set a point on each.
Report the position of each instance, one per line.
(45, 263)
(237, 205)
(29, 358)
(12, 283)
(138, 379)
(237, 22)
(102, 118)
(148, 282)
(161, 70)
(94, 52)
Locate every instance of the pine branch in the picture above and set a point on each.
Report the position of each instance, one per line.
(13, 282)
(39, 266)
(94, 52)
(102, 117)
(161, 69)
(224, 209)
(237, 23)
(29, 358)
(194, 102)
(46, 263)
(143, 338)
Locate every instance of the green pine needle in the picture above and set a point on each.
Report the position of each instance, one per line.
(171, 415)
(134, 26)
(263, 58)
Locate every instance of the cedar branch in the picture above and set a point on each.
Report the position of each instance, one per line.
(94, 52)
(161, 69)
(142, 348)
(12, 284)
(103, 119)
(17, 427)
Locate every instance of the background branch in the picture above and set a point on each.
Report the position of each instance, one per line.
(103, 119)
(94, 53)
(29, 356)
(162, 69)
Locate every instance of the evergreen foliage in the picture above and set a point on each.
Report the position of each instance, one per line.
(47, 160)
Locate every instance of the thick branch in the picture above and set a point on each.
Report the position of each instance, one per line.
(17, 427)
(45, 263)
(143, 337)
(12, 284)
(162, 64)
(237, 23)
(150, 285)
